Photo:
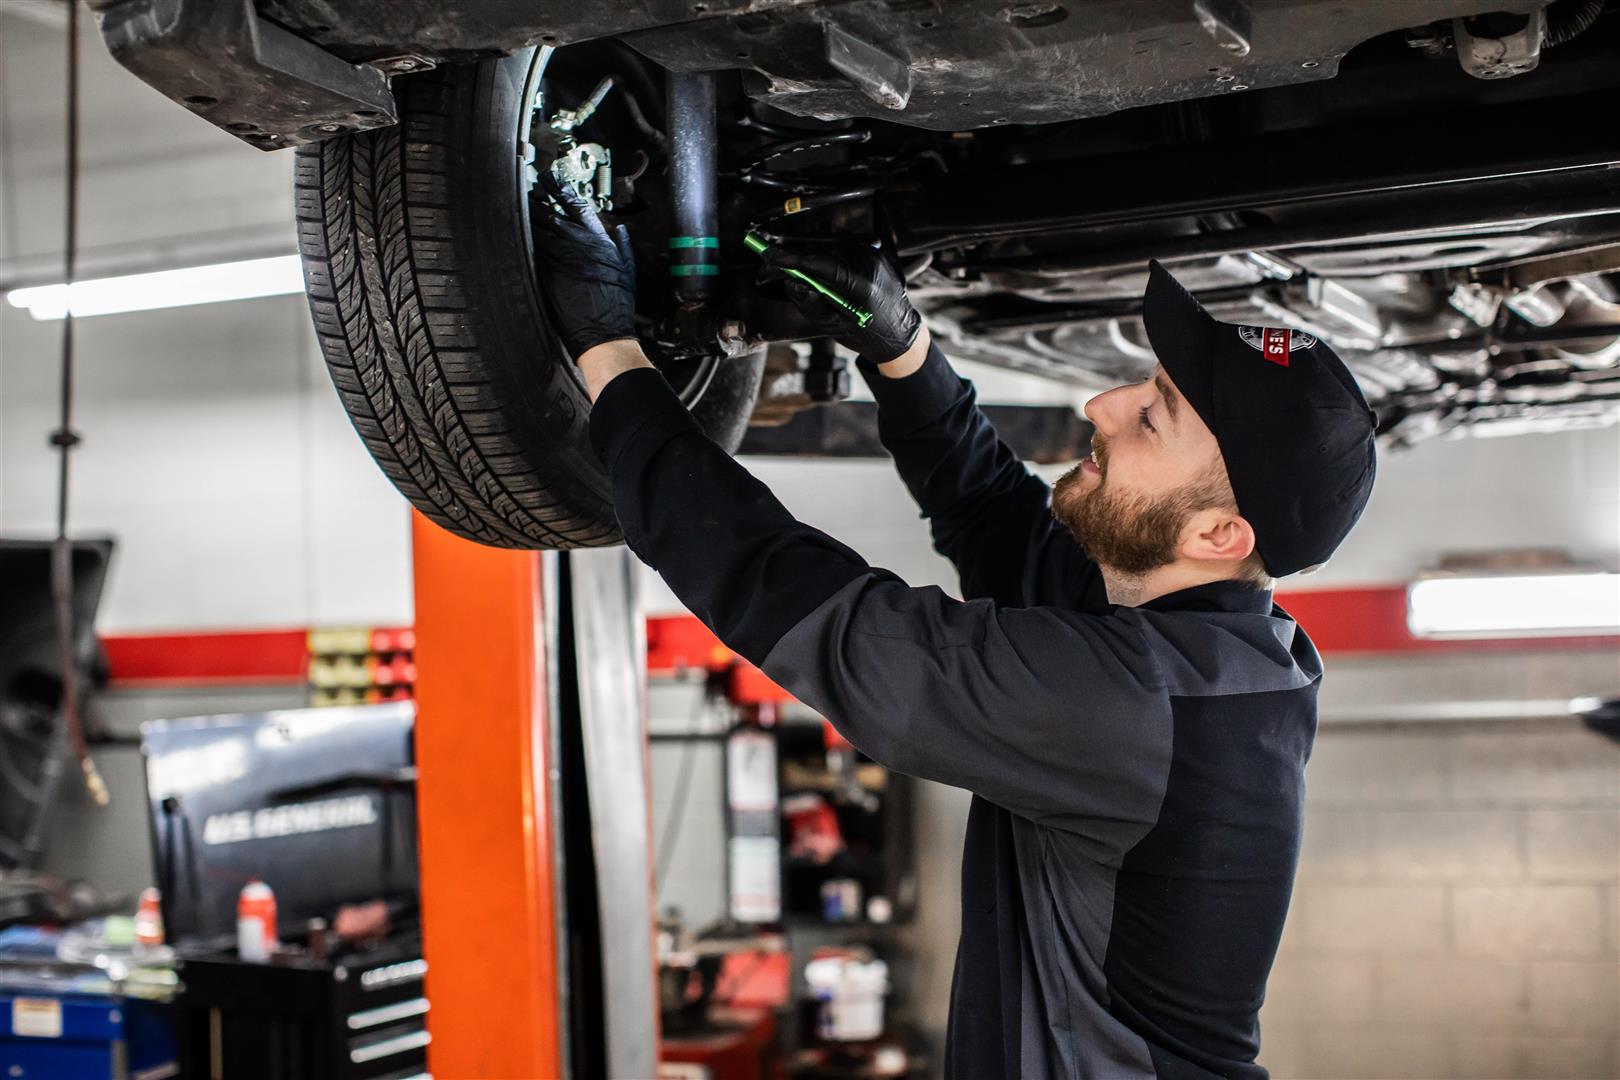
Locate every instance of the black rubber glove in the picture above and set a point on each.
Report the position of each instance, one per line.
(587, 275)
(861, 275)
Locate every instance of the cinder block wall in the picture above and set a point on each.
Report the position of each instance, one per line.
(1456, 910)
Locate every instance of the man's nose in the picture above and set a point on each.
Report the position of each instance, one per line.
(1104, 410)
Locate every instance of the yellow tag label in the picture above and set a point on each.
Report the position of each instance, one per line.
(40, 1018)
(793, 205)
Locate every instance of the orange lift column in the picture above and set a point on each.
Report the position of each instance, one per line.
(485, 822)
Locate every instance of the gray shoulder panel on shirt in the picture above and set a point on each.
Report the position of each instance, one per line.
(1056, 716)
(1216, 654)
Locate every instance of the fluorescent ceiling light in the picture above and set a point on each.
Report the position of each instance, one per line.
(247, 280)
(1514, 606)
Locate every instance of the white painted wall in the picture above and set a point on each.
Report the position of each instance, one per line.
(155, 179)
(1555, 490)
(215, 450)
(218, 455)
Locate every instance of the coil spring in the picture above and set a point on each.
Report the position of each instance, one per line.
(807, 189)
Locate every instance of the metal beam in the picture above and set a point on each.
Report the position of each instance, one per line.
(609, 635)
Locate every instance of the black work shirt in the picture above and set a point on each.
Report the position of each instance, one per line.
(1137, 772)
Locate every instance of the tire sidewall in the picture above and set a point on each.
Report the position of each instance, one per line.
(542, 394)
(424, 292)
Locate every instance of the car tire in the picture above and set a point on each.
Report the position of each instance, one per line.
(419, 267)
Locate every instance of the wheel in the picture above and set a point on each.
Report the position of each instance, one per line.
(419, 265)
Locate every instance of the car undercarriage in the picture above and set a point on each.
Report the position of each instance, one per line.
(1430, 186)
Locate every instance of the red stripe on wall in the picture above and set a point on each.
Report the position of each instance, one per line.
(1366, 620)
(1372, 619)
(253, 657)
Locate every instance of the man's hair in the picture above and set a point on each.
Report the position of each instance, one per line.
(1253, 573)
(1214, 491)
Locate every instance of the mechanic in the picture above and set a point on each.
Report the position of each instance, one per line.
(1130, 710)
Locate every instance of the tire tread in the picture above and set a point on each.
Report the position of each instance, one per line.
(388, 296)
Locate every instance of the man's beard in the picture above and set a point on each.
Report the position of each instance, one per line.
(1129, 534)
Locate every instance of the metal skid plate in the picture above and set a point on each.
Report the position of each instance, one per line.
(980, 63)
(243, 73)
(943, 65)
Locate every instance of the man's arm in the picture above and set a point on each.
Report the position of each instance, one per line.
(1055, 715)
(988, 513)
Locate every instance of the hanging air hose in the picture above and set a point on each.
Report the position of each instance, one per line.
(64, 439)
(1569, 19)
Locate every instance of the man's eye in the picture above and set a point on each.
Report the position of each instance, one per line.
(1145, 421)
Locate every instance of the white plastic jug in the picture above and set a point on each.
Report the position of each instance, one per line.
(851, 994)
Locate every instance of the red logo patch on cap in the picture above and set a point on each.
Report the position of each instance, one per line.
(1274, 345)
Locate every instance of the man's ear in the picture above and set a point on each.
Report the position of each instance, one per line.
(1213, 535)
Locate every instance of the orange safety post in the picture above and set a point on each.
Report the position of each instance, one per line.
(485, 823)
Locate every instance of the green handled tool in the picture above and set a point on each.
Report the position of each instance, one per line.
(758, 244)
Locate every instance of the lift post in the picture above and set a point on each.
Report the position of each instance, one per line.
(485, 812)
(533, 811)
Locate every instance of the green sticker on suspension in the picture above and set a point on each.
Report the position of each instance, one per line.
(694, 241)
(694, 270)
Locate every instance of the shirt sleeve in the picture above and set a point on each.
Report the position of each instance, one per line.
(989, 515)
(1055, 715)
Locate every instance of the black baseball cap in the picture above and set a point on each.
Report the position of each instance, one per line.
(1291, 422)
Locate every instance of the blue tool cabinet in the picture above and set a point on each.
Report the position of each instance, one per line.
(67, 1036)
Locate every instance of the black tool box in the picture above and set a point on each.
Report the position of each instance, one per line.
(318, 804)
(359, 1017)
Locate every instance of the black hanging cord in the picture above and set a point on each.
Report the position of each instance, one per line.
(1569, 19)
(65, 439)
